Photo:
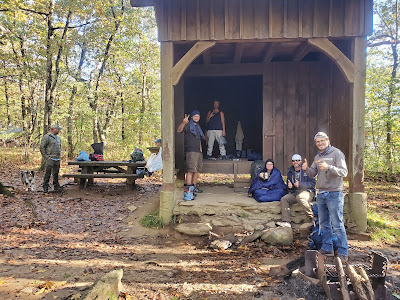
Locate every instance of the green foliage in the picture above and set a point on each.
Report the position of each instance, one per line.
(382, 121)
(128, 92)
(382, 229)
(152, 220)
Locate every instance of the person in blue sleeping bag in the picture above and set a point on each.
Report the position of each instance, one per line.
(268, 186)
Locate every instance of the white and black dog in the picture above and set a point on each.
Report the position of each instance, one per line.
(28, 180)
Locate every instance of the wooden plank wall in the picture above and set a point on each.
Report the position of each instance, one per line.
(190, 20)
(299, 100)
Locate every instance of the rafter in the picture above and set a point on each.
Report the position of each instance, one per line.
(238, 53)
(302, 51)
(269, 52)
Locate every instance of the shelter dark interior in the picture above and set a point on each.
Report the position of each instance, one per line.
(241, 100)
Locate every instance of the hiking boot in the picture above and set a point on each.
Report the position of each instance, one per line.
(58, 188)
(283, 224)
(326, 253)
(197, 190)
(343, 258)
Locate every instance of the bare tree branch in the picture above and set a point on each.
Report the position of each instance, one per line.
(381, 43)
(34, 11)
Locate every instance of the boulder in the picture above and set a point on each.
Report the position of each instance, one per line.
(196, 229)
(107, 287)
(279, 236)
(305, 229)
(270, 225)
(259, 227)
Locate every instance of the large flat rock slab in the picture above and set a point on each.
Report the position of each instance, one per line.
(222, 207)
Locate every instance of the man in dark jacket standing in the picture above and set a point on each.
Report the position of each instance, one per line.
(330, 167)
(193, 150)
(301, 190)
(50, 147)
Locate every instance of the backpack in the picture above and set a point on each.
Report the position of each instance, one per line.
(256, 166)
(315, 238)
(137, 155)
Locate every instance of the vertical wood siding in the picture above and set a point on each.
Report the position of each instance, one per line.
(182, 20)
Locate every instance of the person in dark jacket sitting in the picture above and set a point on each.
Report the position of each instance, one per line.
(301, 190)
(268, 186)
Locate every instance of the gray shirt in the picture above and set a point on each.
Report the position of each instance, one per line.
(330, 180)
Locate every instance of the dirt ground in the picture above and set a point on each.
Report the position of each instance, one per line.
(52, 246)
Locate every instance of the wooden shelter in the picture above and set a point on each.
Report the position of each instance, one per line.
(302, 63)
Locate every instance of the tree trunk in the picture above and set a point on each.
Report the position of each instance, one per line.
(49, 69)
(69, 122)
(94, 104)
(143, 108)
(7, 102)
(123, 117)
(389, 118)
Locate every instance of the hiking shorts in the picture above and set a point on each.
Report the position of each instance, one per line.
(194, 161)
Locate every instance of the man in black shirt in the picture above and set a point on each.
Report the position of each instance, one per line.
(193, 149)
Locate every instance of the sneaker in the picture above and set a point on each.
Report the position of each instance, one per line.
(283, 224)
(45, 191)
(197, 190)
(207, 156)
(343, 258)
(224, 157)
(326, 253)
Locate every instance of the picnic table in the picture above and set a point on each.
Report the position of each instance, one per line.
(88, 170)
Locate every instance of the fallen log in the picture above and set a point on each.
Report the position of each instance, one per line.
(356, 281)
(5, 191)
(367, 283)
(342, 279)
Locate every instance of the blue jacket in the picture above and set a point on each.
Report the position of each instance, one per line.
(306, 182)
(268, 190)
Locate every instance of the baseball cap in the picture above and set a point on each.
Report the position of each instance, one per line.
(321, 135)
(296, 157)
(56, 126)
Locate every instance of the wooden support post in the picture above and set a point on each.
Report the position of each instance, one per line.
(358, 116)
(179, 137)
(167, 199)
(357, 195)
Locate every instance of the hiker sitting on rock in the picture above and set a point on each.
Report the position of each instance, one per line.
(301, 190)
(268, 186)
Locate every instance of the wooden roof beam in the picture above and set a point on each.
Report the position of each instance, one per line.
(302, 51)
(238, 53)
(269, 52)
(188, 58)
(341, 60)
(143, 3)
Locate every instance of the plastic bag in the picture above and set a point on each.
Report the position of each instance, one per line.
(83, 156)
(154, 163)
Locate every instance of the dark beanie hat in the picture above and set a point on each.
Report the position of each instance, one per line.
(269, 160)
(195, 112)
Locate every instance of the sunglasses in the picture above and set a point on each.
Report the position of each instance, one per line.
(296, 160)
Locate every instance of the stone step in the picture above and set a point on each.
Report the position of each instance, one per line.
(222, 207)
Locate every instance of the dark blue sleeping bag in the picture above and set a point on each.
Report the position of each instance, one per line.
(269, 190)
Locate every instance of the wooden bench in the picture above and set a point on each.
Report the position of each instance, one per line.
(235, 167)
